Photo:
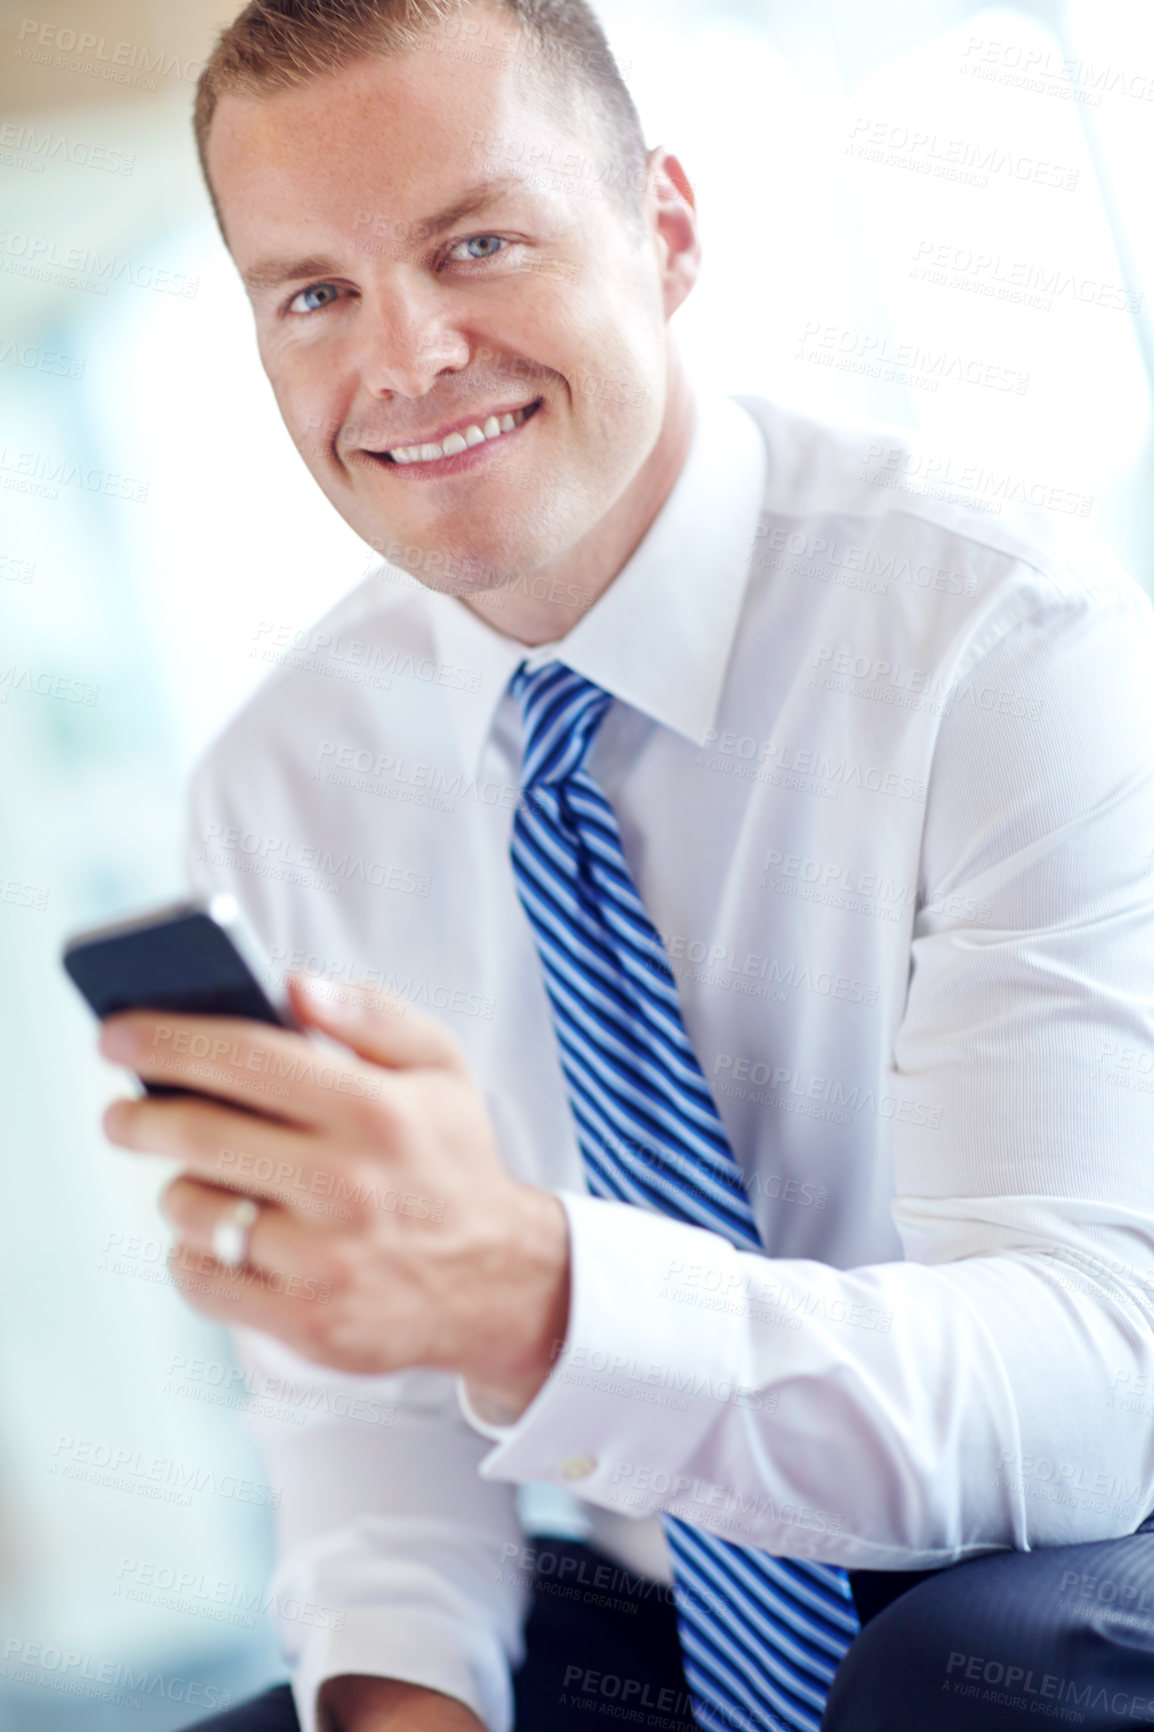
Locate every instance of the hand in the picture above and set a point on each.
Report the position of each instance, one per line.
(361, 1704)
(389, 1234)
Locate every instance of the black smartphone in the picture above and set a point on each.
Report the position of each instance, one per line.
(194, 959)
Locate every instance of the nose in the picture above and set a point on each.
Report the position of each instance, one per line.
(408, 339)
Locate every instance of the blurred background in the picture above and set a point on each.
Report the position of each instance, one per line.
(921, 212)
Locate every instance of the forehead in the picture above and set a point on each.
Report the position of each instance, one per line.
(396, 137)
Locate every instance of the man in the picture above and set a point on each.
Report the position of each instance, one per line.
(754, 1140)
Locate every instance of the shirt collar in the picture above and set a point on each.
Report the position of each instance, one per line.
(660, 637)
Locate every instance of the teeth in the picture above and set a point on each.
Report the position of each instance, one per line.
(492, 428)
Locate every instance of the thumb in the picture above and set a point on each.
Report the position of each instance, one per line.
(380, 1026)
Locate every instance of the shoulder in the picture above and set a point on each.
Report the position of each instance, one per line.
(952, 553)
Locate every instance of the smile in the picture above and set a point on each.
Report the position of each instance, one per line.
(461, 440)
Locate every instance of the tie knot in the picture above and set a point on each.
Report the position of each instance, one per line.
(561, 711)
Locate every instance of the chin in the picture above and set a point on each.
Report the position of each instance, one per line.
(451, 570)
(511, 555)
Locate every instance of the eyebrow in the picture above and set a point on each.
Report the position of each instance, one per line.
(269, 273)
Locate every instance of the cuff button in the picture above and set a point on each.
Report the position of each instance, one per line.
(577, 1466)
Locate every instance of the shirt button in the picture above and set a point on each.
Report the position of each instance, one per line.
(577, 1466)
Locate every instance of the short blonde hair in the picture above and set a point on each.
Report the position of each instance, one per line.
(277, 45)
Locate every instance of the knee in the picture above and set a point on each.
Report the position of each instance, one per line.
(971, 1646)
(926, 1660)
(867, 1687)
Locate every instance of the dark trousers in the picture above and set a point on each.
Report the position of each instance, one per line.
(1061, 1635)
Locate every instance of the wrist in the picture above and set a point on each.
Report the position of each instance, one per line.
(361, 1703)
(520, 1335)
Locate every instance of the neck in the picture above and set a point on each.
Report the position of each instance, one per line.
(591, 564)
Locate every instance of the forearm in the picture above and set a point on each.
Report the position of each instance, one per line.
(390, 1544)
(894, 1416)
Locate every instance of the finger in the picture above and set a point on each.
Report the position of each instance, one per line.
(242, 1153)
(274, 1072)
(380, 1026)
(275, 1303)
(276, 1242)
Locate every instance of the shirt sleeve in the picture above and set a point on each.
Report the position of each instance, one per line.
(394, 1557)
(995, 1388)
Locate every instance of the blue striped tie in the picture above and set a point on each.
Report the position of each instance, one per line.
(761, 1637)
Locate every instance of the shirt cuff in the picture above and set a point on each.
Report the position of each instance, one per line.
(656, 1329)
(487, 1427)
(414, 1648)
(419, 1602)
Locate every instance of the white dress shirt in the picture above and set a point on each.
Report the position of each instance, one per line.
(883, 776)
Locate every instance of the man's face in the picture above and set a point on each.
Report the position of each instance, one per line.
(429, 252)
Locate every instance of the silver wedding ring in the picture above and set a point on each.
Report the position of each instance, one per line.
(232, 1232)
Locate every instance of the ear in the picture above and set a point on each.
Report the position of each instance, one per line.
(672, 213)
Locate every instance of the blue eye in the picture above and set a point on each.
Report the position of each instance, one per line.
(487, 243)
(319, 295)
